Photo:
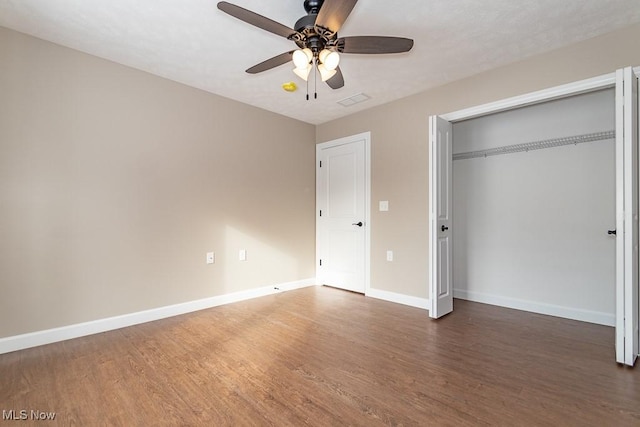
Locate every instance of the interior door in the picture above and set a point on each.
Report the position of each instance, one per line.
(627, 333)
(341, 217)
(440, 217)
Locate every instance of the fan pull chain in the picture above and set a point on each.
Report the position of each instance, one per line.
(315, 79)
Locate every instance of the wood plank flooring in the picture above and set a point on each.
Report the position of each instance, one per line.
(324, 357)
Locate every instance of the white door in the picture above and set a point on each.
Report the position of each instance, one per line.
(440, 217)
(627, 334)
(342, 214)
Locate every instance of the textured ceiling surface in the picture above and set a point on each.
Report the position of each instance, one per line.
(192, 42)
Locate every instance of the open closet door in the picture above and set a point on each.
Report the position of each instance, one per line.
(627, 334)
(440, 216)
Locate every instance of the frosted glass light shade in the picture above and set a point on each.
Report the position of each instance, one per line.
(329, 58)
(325, 74)
(303, 72)
(302, 57)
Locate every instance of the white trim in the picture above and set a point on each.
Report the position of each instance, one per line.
(33, 339)
(417, 302)
(367, 194)
(575, 88)
(597, 317)
(620, 217)
(630, 141)
(367, 210)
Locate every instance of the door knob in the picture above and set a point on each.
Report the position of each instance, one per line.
(611, 231)
(444, 228)
(359, 224)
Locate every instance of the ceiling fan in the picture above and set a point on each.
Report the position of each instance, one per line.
(316, 35)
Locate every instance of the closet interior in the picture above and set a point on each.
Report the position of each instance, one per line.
(534, 207)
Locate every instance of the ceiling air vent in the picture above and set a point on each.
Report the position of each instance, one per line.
(355, 99)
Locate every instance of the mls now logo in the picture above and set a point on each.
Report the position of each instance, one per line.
(23, 414)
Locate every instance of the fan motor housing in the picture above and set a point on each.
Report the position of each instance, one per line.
(312, 37)
(306, 24)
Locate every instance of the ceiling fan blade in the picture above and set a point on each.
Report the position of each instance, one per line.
(256, 20)
(270, 63)
(333, 13)
(374, 44)
(337, 81)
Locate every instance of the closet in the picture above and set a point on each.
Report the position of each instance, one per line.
(533, 201)
(533, 205)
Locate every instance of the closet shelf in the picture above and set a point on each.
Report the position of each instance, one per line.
(537, 145)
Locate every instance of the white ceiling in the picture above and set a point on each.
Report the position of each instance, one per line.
(192, 42)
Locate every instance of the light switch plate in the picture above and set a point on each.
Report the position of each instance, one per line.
(211, 258)
(384, 205)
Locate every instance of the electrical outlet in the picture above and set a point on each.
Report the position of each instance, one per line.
(389, 255)
(242, 255)
(211, 258)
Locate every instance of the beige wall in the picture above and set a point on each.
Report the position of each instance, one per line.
(399, 139)
(115, 183)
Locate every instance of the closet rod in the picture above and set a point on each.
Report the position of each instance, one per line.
(537, 145)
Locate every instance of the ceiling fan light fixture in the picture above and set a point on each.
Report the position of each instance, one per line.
(318, 46)
(303, 72)
(325, 74)
(329, 58)
(302, 58)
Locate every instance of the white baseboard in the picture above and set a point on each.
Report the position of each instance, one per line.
(398, 298)
(597, 317)
(33, 339)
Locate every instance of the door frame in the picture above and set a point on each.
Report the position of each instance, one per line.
(366, 136)
(575, 88)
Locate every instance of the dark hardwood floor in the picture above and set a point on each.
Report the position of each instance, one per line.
(324, 357)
